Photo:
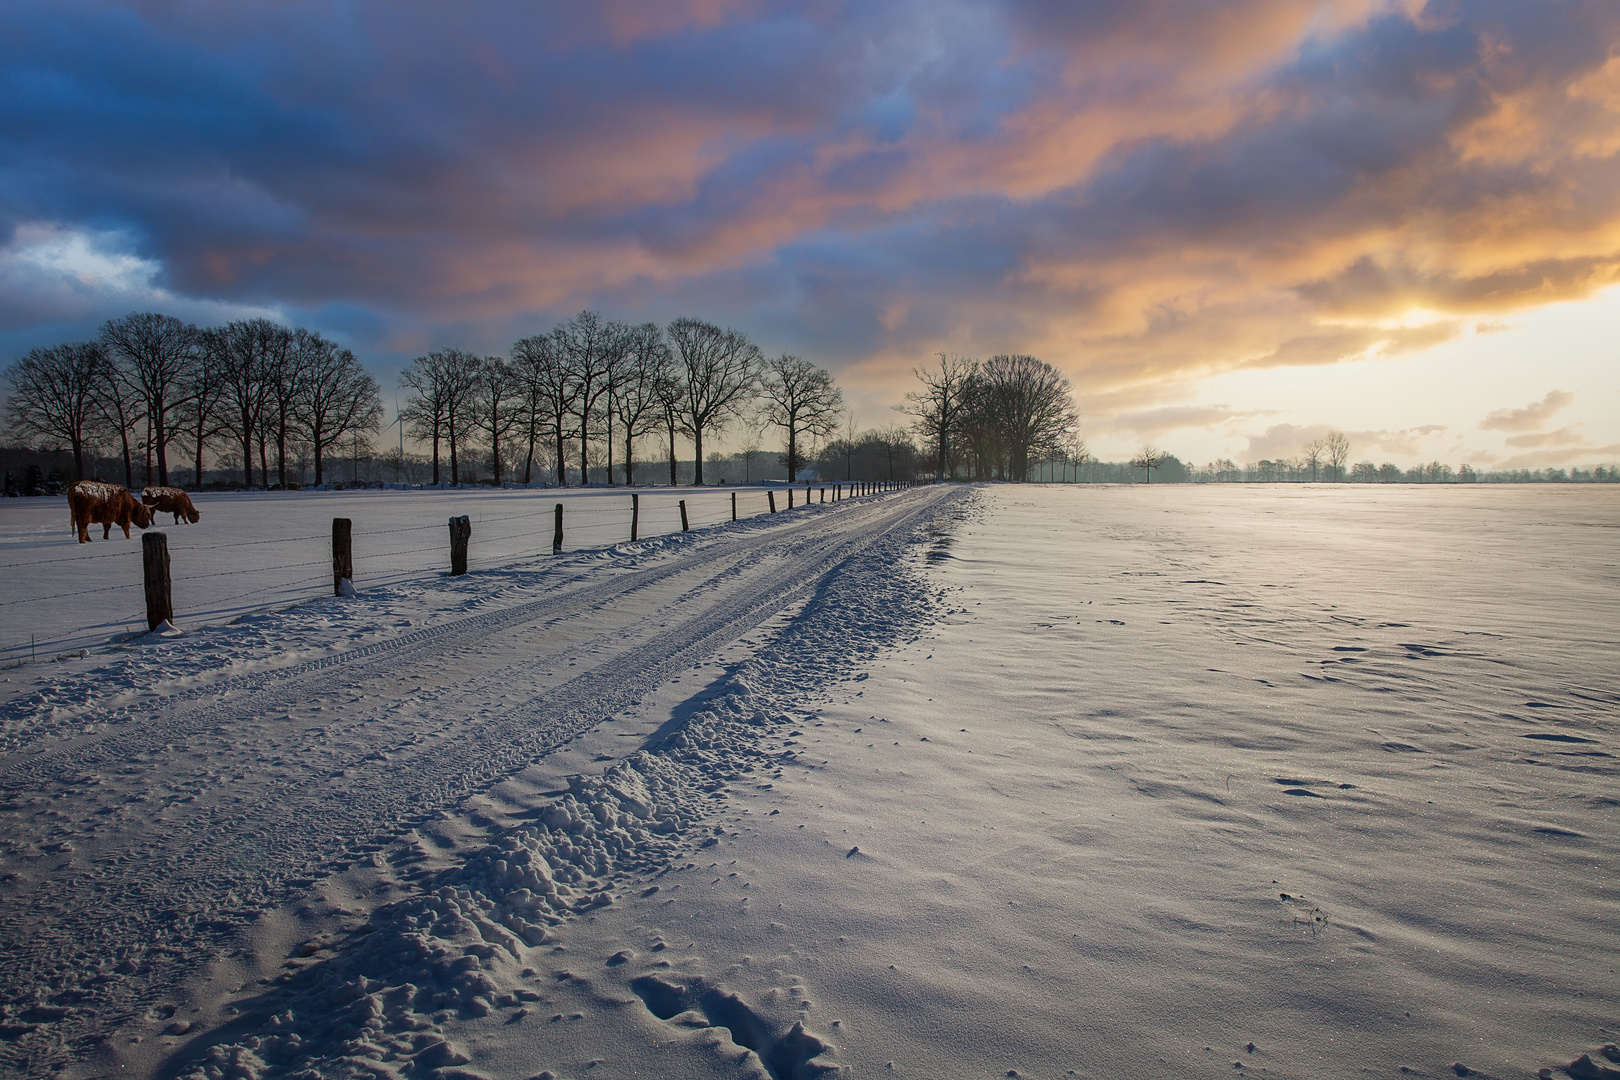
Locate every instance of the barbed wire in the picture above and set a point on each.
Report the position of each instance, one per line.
(80, 592)
(72, 558)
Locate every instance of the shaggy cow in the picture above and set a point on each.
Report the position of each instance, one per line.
(170, 500)
(92, 502)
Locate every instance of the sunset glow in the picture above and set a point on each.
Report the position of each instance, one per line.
(1234, 226)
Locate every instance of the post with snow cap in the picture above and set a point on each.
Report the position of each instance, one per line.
(770, 497)
(635, 514)
(155, 568)
(556, 532)
(342, 556)
(684, 526)
(460, 531)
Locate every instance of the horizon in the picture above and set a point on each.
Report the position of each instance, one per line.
(1234, 230)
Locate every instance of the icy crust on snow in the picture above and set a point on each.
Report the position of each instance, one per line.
(461, 949)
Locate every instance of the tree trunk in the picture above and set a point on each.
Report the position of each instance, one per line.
(162, 435)
(435, 455)
(455, 469)
(672, 473)
(697, 455)
(629, 457)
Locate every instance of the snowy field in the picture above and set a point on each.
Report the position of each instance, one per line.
(256, 549)
(955, 782)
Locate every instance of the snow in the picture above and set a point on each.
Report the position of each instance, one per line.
(1032, 781)
(252, 550)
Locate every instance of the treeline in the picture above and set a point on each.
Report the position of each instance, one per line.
(575, 401)
(150, 387)
(992, 420)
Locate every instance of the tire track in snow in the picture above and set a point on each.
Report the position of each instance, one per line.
(126, 933)
(303, 679)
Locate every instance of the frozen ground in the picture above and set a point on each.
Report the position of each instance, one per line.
(1036, 781)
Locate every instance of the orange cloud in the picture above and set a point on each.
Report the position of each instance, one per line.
(1531, 416)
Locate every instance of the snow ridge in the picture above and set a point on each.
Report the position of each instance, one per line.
(460, 949)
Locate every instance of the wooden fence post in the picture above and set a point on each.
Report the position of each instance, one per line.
(635, 514)
(556, 532)
(460, 530)
(155, 568)
(790, 498)
(733, 506)
(684, 526)
(771, 498)
(342, 556)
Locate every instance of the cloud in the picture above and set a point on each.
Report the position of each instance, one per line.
(1285, 441)
(1531, 416)
(53, 277)
(1153, 422)
(1142, 194)
(1565, 436)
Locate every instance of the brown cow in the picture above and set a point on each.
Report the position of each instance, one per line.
(92, 502)
(170, 500)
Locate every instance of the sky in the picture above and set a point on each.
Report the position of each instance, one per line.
(1234, 226)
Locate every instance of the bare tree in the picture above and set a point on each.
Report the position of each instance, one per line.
(424, 410)
(497, 407)
(283, 376)
(1312, 456)
(54, 396)
(719, 371)
(156, 351)
(245, 349)
(441, 408)
(898, 453)
(1031, 406)
(548, 398)
(644, 382)
(1337, 448)
(338, 398)
(205, 395)
(591, 348)
(1148, 458)
(801, 399)
(938, 405)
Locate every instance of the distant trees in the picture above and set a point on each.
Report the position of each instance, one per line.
(883, 454)
(995, 417)
(1148, 458)
(938, 407)
(1336, 448)
(801, 399)
(55, 396)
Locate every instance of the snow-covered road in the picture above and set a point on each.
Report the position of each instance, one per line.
(1029, 781)
(157, 804)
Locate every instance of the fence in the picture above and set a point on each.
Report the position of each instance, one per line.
(234, 562)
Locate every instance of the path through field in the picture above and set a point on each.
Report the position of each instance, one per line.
(145, 829)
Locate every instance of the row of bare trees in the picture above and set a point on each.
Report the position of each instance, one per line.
(991, 419)
(591, 381)
(150, 385)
